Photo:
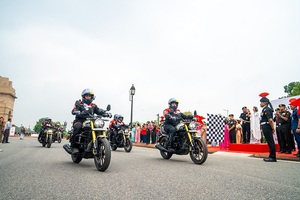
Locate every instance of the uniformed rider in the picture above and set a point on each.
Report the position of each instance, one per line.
(173, 116)
(83, 109)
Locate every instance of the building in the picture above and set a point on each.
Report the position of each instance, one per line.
(7, 98)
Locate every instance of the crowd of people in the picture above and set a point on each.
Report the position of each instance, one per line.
(248, 128)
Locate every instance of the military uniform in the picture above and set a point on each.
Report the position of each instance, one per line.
(232, 132)
(245, 126)
(284, 127)
(266, 114)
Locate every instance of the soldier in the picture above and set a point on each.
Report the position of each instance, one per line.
(267, 126)
(277, 110)
(232, 132)
(284, 126)
(245, 118)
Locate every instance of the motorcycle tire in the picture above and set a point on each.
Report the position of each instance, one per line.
(59, 140)
(43, 144)
(163, 142)
(114, 147)
(103, 157)
(128, 145)
(49, 142)
(199, 153)
(76, 158)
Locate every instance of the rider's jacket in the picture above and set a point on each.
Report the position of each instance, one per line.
(82, 110)
(46, 124)
(173, 117)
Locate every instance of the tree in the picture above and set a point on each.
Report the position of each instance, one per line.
(292, 89)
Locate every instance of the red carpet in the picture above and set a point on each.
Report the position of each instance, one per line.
(250, 147)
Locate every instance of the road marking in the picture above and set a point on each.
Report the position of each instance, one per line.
(232, 154)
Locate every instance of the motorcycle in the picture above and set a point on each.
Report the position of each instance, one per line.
(121, 139)
(57, 136)
(92, 142)
(185, 141)
(46, 138)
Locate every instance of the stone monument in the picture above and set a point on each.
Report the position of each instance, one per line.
(7, 98)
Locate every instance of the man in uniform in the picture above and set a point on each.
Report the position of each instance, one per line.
(295, 122)
(277, 110)
(267, 126)
(232, 132)
(245, 118)
(284, 127)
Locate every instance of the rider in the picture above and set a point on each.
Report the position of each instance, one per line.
(114, 126)
(83, 109)
(110, 126)
(173, 117)
(46, 124)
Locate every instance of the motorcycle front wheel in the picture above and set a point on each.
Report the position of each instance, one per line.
(128, 145)
(103, 156)
(59, 140)
(163, 142)
(199, 153)
(49, 142)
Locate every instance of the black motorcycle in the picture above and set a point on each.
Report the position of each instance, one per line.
(46, 137)
(92, 142)
(57, 136)
(184, 141)
(121, 138)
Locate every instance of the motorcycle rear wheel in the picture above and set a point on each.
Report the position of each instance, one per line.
(163, 142)
(128, 145)
(199, 153)
(102, 159)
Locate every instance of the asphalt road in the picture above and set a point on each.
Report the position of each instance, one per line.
(30, 171)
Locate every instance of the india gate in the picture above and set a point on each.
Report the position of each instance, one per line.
(7, 98)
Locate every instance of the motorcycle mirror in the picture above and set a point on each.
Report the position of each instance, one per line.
(108, 107)
(195, 113)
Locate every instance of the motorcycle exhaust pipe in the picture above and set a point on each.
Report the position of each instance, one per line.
(68, 149)
(160, 147)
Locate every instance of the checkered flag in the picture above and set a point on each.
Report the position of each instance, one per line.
(215, 128)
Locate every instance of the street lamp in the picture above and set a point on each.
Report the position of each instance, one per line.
(226, 112)
(131, 93)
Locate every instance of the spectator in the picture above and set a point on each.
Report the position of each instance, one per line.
(143, 133)
(295, 123)
(279, 140)
(255, 126)
(137, 132)
(2, 125)
(153, 133)
(225, 144)
(149, 131)
(6, 131)
(22, 132)
(238, 130)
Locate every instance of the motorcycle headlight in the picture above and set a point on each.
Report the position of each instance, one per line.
(99, 123)
(192, 126)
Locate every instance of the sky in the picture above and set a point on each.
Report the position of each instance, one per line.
(213, 56)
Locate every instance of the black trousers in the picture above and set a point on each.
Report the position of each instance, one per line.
(279, 138)
(267, 131)
(246, 132)
(171, 130)
(153, 137)
(76, 130)
(232, 136)
(285, 134)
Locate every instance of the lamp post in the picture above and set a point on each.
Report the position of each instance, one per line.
(131, 93)
(226, 112)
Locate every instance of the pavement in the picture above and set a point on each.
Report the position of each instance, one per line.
(211, 150)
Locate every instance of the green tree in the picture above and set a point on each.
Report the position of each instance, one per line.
(292, 89)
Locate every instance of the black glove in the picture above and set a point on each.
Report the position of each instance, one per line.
(85, 112)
